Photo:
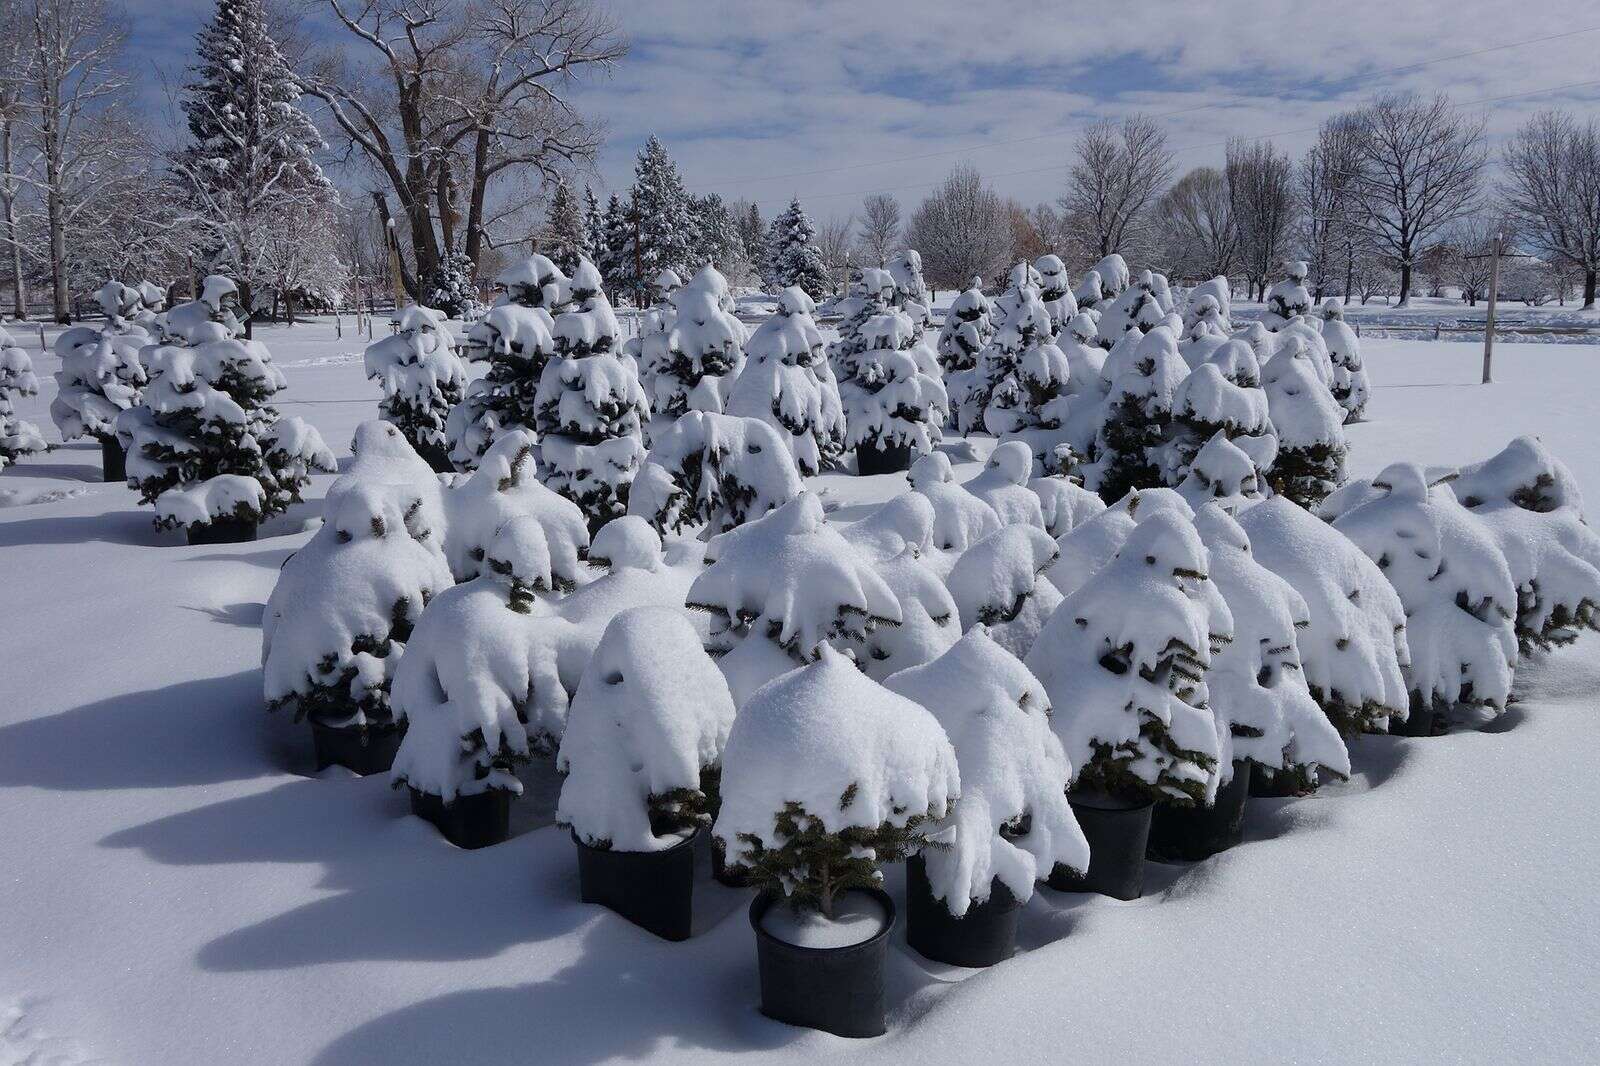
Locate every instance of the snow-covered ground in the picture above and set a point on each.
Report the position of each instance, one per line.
(178, 888)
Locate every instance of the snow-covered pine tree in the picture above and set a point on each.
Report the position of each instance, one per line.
(1344, 351)
(422, 379)
(1135, 308)
(895, 409)
(213, 316)
(451, 289)
(590, 408)
(1288, 299)
(715, 470)
(870, 294)
(795, 258)
(1220, 293)
(703, 355)
(515, 338)
(960, 518)
(17, 438)
(1055, 292)
(968, 328)
(998, 582)
(1257, 690)
(662, 234)
(895, 537)
(1026, 376)
(1459, 596)
(206, 446)
(1222, 473)
(911, 294)
(536, 283)
(618, 271)
(1221, 395)
(1003, 485)
(1013, 825)
(1124, 662)
(594, 231)
(101, 375)
(565, 239)
(1309, 425)
(1130, 442)
(779, 586)
(1114, 275)
(788, 383)
(717, 240)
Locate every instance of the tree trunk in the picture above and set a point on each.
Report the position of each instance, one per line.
(288, 307)
(1588, 289)
(1405, 285)
(58, 252)
(8, 199)
(246, 304)
(407, 280)
(475, 196)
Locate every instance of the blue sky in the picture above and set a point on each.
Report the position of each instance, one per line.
(770, 98)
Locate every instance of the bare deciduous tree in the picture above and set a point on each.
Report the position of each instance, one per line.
(1327, 201)
(1258, 178)
(835, 244)
(14, 57)
(1552, 183)
(457, 97)
(1121, 169)
(963, 230)
(880, 228)
(1198, 223)
(1423, 169)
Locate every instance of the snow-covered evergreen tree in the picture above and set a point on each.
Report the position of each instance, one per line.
(565, 238)
(895, 538)
(1222, 473)
(1210, 301)
(1289, 298)
(960, 519)
(788, 383)
(642, 750)
(779, 586)
(826, 776)
(1459, 596)
(1003, 485)
(795, 258)
(1257, 689)
(1344, 350)
(618, 270)
(516, 340)
(1130, 443)
(213, 316)
(590, 408)
(205, 445)
(911, 296)
(999, 583)
(717, 242)
(1309, 425)
(1221, 395)
(1530, 503)
(870, 294)
(422, 378)
(718, 471)
(662, 233)
(17, 438)
(1135, 308)
(1124, 662)
(450, 289)
(1013, 825)
(594, 231)
(893, 406)
(967, 330)
(1055, 292)
(101, 373)
(703, 355)
(1026, 376)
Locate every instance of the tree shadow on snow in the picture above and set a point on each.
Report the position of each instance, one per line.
(112, 527)
(234, 614)
(58, 471)
(191, 733)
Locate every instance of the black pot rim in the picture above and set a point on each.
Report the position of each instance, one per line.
(995, 885)
(368, 727)
(1101, 801)
(686, 842)
(765, 900)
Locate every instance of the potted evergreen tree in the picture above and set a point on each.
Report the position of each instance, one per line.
(339, 618)
(1133, 432)
(1003, 485)
(1124, 661)
(1309, 425)
(716, 471)
(703, 350)
(967, 330)
(998, 583)
(1013, 825)
(1350, 386)
(17, 438)
(894, 539)
(421, 378)
(641, 757)
(826, 776)
(895, 409)
(101, 376)
(788, 383)
(504, 486)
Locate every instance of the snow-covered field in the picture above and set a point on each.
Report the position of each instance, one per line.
(178, 888)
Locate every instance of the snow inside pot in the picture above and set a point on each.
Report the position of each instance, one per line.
(827, 775)
(1124, 661)
(642, 754)
(1013, 825)
(339, 618)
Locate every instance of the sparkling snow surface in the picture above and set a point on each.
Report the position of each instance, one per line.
(177, 888)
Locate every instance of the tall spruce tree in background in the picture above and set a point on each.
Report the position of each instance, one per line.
(594, 229)
(565, 240)
(752, 234)
(794, 256)
(615, 250)
(662, 231)
(252, 164)
(718, 242)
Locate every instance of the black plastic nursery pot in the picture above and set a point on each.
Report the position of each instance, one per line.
(872, 460)
(1419, 723)
(1268, 783)
(652, 889)
(113, 461)
(1117, 831)
(467, 821)
(985, 935)
(437, 457)
(362, 751)
(1189, 834)
(223, 531)
(836, 990)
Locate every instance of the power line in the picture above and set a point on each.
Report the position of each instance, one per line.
(1195, 147)
(1364, 76)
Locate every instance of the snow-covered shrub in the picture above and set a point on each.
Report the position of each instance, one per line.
(643, 746)
(968, 327)
(1064, 503)
(893, 401)
(796, 259)
(1221, 473)
(871, 294)
(1354, 649)
(17, 438)
(703, 350)
(101, 373)
(1309, 425)
(1257, 690)
(591, 409)
(911, 297)
(894, 540)
(1210, 301)
(1459, 597)
(826, 776)
(1026, 376)
(779, 586)
(1055, 292)
(214, 316)
(450, 289)
(1124, 661)
(344, 608)
(1090, 545)
(1288, 298)
(1221, 395)
(1130, 441)
(788, 383)
(1344, 350)
(960, 519)
(504, 487)
(1530, 503)
(717, 471)
(1013, 823)
(420, 375)
(999, 583)
(1136, 308)
(1003, 485)
(205, 443)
